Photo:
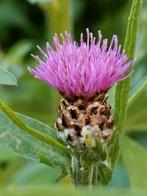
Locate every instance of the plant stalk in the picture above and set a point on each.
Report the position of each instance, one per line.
(84, 174)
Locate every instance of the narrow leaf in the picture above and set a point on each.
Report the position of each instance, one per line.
(113, 149)
(123, 88)
(35, 133)
(23, 143)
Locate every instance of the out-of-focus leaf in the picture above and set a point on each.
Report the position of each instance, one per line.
(141, 49)
(117, 181)
(140, 138)
(136, 92)
(8, 169)
(137, 114)
(36, 174)
(135, 161)
(39, 101)
(66, 191)
(16, 53)
(10, 163)
(28, 146)
(7, 78)
(5, 154)
(123, 88)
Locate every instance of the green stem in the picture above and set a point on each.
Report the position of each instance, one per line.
(84, 174)
(91, 172)
(41, 136)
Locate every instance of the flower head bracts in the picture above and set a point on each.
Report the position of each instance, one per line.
(84, 69)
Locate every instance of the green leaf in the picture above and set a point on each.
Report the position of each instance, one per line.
(105, 174)
(16, 139)
(5, 154)
(34, 132)
(137, 108)
(16, 53)
(123, 88)
(63, 190)
(113, 149)
(137, 112)
(135, 161)
(29, 173)
(137, 91)
(8, 169)
(7, 78)
(141, 49)
(62, 175)
(111, 99)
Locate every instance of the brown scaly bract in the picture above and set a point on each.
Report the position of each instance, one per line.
(78, 116)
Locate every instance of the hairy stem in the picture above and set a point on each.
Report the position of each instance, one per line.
(84, 174)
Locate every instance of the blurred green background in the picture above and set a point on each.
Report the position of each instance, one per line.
(23, 25)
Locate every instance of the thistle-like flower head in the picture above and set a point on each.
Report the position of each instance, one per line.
(91, 67)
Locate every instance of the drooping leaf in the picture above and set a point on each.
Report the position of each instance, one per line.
(123, 88)
(7, 78)
(135, 161)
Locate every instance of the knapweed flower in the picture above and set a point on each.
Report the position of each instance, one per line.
(83, 73)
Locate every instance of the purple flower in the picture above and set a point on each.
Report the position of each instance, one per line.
(80, 70)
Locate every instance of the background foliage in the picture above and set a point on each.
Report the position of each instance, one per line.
(23, 25)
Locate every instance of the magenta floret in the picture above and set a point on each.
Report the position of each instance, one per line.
(88, 68)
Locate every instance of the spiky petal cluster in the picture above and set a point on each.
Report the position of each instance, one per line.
(88, 68)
